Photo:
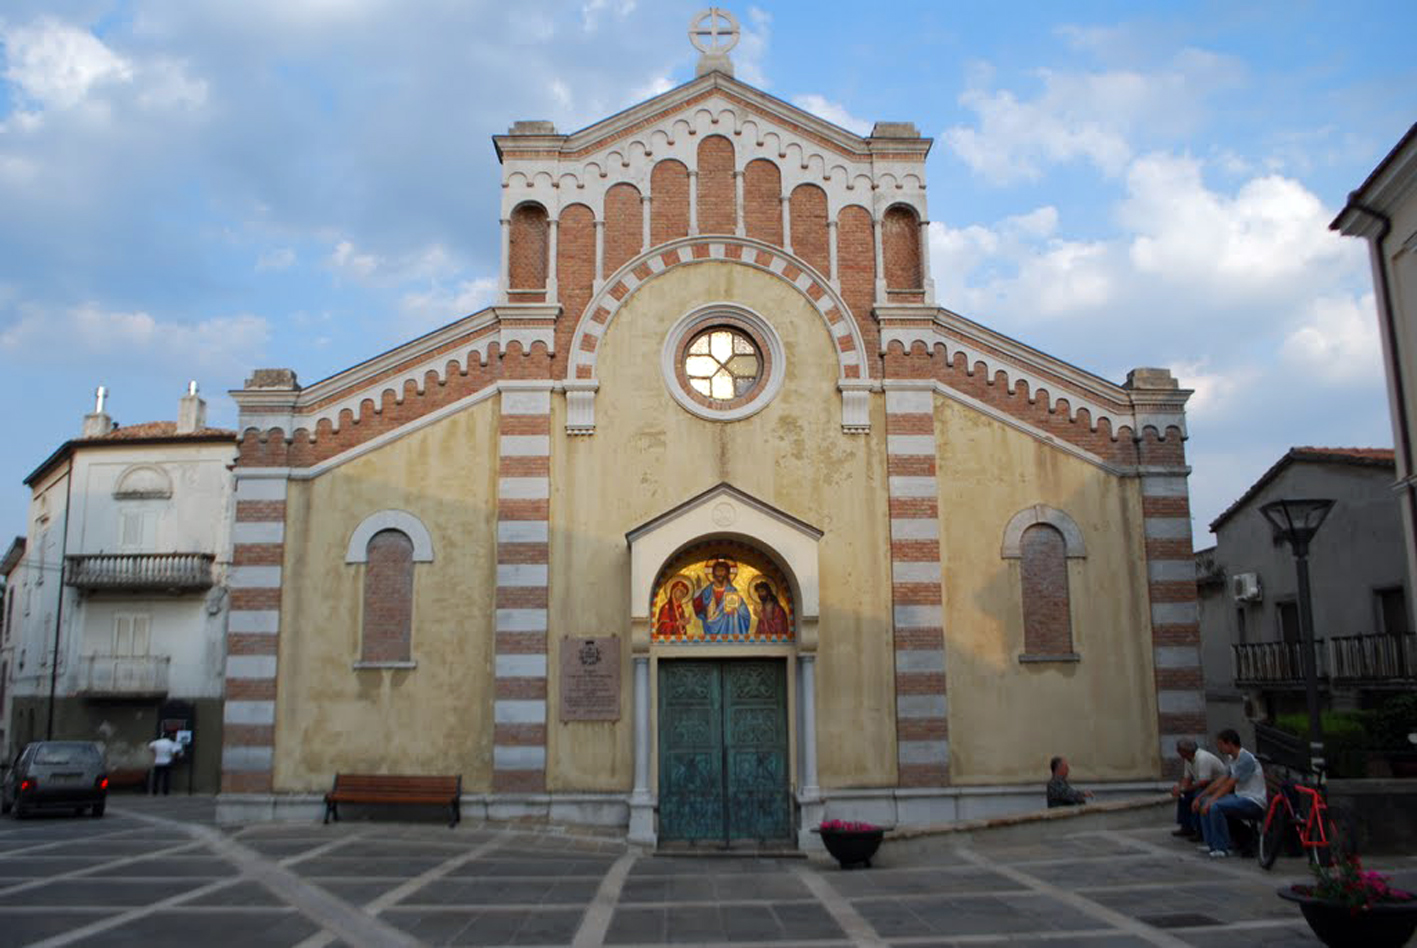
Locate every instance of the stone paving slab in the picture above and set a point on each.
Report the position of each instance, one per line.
(140, 877)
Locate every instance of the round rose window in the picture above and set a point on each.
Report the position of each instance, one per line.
(722, 364)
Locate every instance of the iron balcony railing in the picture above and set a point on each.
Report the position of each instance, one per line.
(140, 571)
(1340, 658)
(123, 675)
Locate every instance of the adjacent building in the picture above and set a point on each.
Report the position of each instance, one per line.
(1384, 212)
(116, 603)
(717, 520)
(1360, 592)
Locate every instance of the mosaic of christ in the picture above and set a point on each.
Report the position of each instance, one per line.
(726, 596)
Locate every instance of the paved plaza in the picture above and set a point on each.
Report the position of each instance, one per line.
(159, 872)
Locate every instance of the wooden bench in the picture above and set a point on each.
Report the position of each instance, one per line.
(391, 789)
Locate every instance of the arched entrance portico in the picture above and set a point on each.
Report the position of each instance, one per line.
(734, 675)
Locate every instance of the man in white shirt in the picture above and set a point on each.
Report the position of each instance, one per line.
(165, 751)
(1240, 793)
(1202, 768)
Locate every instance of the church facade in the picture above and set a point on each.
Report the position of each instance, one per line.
(716, 522)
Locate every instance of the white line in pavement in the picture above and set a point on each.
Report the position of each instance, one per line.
(82, 841)
(839, 907)
(1085, 905)
(319, 850)
(90, 870)
(123, 918)
(596, 920)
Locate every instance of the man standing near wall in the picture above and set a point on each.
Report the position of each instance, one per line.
(165, 751)
(1201, 768)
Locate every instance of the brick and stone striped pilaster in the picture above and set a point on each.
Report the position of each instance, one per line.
(922, 724)
(1175, 618)
(253, 633)
(523, 558)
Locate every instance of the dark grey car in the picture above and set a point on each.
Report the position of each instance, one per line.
(68, 774)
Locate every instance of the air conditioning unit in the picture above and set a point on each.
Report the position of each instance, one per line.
(1245, 587)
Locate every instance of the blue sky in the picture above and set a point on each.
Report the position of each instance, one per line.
(197, 189)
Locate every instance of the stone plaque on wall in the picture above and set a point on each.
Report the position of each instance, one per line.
(590, 678)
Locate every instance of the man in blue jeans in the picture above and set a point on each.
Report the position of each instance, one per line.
(1240, 793)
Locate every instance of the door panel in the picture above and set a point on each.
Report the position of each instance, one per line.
(723, 751)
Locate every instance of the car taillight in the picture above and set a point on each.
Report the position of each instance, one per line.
(101, 783)
(29, 783)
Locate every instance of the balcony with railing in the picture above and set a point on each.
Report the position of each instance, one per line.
(123, 676)
(1341, 660)
(140, 572)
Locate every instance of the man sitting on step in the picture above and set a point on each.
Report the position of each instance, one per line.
(1201, 769)
(1239, 794)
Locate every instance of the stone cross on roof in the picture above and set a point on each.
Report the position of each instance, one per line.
(714, 32)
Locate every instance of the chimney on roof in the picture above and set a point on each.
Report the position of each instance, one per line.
(1148, 378)
(97, 423)
(191, 411)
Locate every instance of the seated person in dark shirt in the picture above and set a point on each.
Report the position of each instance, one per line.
(1060, 792)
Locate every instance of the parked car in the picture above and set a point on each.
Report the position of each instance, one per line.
(56, 774)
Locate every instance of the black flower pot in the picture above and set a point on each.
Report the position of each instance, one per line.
(852, 848)
(1385, 925)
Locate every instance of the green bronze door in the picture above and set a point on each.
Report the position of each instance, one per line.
(723, 751)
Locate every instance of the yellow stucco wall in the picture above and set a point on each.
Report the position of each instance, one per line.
(649, 455)
(1007, 719)
(435, 718)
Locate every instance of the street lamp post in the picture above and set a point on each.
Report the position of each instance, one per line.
(1297, 521)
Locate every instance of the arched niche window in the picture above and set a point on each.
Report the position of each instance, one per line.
(900, 250)
(388, 544)
(527, 249)
(1043, 539)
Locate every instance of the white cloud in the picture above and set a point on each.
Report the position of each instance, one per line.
(1338, 343)
(346, 260)
(1217, 391)
(1271, 232)
(752, 49)
(280, 258)
(89, 329)
(56, 64)
(1091, 116)
(591, 11)
(833, 112)
(423, 310)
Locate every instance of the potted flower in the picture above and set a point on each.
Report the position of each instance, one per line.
(851, 843)
(1348, 907)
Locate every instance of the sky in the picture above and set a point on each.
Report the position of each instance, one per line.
(195, 189)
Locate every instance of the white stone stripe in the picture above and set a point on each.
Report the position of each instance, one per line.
(931, 661)
(909, 401)
(521, 574)
(910, 444)
(1171, 571)
(523, 531)
(519, 711)
(1177, 656)
(518, 758)
(516, 402)
(849, 358)
(928, 616)
(1174, 613)
(913, 486)
(258, 621)
(1168, 528)
(524, 488)
(525, 446)
(247, 759)
(1180, 702)
(923, 752)
(249, 712)
(258, 531)
(254, 577)
(921, 528)
(1163, 486)
(921, 706)
(250, 666)
(521, 666)
(264, 488)
(903, 571)
(521, 620)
